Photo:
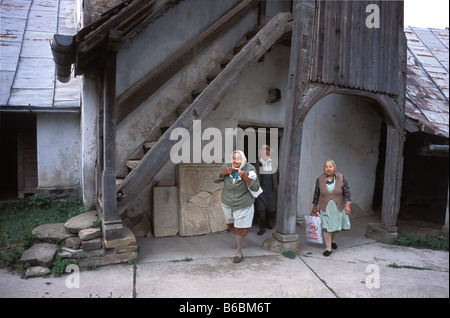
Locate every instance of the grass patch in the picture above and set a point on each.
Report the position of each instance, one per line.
(438, 241)
(186, 259)
(394, 265)
(290, 254)
(19, 218)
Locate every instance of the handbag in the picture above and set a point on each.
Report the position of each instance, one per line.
(313, 226)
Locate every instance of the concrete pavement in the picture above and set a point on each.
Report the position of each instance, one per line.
(201, 267)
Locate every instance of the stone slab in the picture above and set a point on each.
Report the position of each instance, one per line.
(51, 232)
(73, 242)
(107, 259)
(89, 233)
(165, 211)
(381, 233)
(127, 238)
(40, 254)
(36, 271)
(81, 221)
(200, 205)
(93, 244)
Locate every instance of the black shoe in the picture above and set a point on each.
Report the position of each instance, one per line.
(261, 227)
(268, 226)
(333, 246)
(327, 253)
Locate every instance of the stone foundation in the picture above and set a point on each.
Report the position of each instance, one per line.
(84, 245)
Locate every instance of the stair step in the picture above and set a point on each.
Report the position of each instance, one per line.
(227, 59)
(149, 145)
(198, 90)
(119, 181)
(240, 45)
(252, 32)
(131, 164)
(213, 74)
(182, 107)
(165, 125)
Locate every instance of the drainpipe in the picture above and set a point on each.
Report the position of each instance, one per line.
(439, 148)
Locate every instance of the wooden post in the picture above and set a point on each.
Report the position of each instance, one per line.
(285, 237)
(392, 177)
(111, 223)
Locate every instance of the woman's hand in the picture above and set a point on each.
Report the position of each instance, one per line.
(314, 210)
(244, 177)
(347, 208)
(226, 171)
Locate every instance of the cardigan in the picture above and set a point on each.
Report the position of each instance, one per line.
(340, 195)
(237, 195)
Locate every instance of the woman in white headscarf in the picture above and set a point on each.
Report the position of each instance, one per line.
(239, 177)
(332, 196)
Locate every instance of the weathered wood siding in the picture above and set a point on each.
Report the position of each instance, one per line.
(350, 54)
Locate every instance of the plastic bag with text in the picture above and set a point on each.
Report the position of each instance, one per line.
(313, 226)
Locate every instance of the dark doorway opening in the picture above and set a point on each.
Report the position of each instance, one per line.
(19, 155)
(379, 181)
(425, 179)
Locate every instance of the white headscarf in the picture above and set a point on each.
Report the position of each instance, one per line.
(251, 174)
(243, 157)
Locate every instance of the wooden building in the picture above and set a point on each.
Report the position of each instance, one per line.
(150, 67)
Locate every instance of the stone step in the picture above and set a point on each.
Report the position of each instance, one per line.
(131, 164)
(40, 254)
(148, 145)
(81, 221)
(54, 232)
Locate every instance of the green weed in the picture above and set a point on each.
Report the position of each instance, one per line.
(18, 219)
(434, 242)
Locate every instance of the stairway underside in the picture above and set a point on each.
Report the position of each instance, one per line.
(154, 153)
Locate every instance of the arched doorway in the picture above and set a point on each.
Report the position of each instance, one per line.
(348, 130)
(389, 111)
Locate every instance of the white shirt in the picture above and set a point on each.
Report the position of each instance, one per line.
(266, 165)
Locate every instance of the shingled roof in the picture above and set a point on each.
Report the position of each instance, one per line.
(427, 107)
(27, 69)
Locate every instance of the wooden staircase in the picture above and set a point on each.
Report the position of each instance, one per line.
(154, 153)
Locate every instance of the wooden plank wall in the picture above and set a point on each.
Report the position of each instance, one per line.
(348, 53)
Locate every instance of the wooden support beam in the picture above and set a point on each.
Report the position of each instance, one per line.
(301, 54)
(152, 81)
(207, 101)
(392, 177)
(111, 223)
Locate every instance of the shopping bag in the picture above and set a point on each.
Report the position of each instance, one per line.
(313, 226)
(252, 175)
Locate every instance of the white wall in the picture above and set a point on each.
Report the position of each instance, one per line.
(89, 135)
(345, 129)
(58, 151)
